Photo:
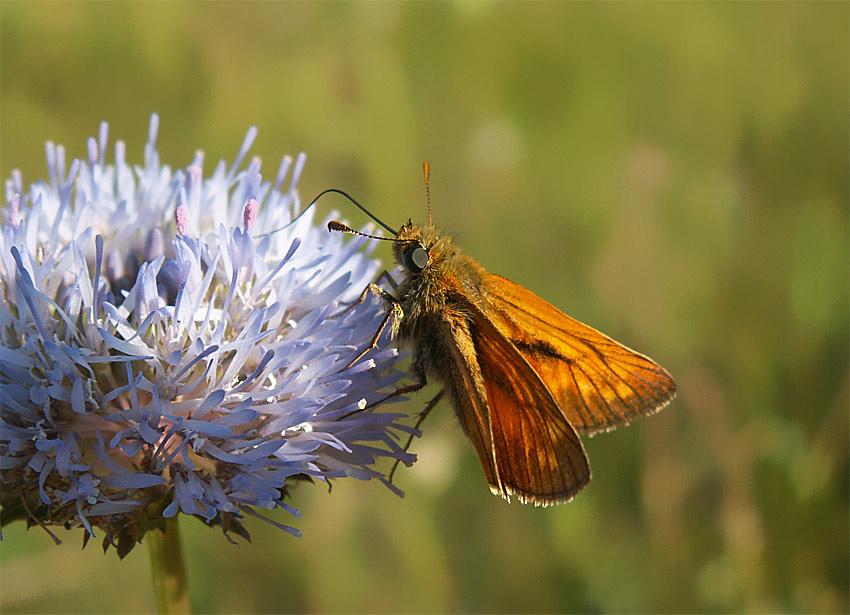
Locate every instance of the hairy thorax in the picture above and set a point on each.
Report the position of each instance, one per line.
(440, 294)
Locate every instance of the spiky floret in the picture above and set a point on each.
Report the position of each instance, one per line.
(164, 349)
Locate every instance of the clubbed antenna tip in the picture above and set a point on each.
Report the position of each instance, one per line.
(336, 225)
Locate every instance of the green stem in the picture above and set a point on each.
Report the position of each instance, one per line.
(168, 572)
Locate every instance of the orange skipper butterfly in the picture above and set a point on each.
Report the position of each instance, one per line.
(525, 379)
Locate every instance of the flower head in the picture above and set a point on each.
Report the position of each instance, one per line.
(172, 343)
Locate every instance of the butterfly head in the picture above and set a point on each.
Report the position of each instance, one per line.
(411, 248)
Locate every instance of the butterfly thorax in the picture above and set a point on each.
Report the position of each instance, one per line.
(439, 278)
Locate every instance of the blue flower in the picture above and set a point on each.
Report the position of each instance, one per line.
(172, 344)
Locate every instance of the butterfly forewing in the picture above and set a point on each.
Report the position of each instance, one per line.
(598, 383)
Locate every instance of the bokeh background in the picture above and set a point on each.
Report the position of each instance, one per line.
(673, 174)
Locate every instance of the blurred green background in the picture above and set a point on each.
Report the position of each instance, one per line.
(673, 174)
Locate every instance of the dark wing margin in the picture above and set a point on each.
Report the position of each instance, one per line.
(464, 384)
(598, 383)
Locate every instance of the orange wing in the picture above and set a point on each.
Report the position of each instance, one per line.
(539, 458)
(598, 383)
(526, 446)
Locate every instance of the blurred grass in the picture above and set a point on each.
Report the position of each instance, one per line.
(674, 174)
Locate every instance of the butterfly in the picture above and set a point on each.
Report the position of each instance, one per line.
(525, 379)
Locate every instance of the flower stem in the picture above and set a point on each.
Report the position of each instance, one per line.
(168, 572)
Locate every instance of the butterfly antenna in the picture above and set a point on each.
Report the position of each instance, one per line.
(340, 227)
(293, 221)
(363, 209)
(426, 169)
(350, 198)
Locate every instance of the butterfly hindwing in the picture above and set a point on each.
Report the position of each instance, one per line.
(537, 453)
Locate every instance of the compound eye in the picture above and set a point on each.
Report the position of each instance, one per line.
(416, 259)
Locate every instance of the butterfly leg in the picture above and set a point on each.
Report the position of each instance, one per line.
(394, 315)
(373, 288)
(409, 388)
(425, 412)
